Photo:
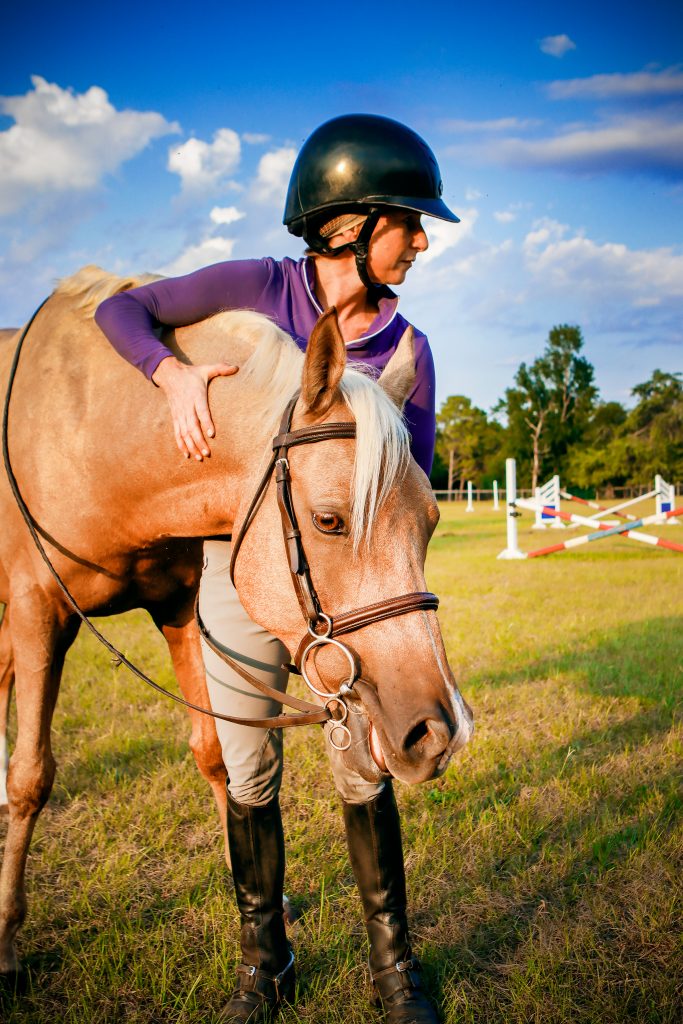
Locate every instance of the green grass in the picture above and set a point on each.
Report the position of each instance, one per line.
(544, 868)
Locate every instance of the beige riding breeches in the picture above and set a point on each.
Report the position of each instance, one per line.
(253, 757)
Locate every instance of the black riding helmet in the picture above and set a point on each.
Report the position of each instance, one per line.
(361, 163)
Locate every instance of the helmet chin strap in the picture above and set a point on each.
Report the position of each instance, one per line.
(360, 247)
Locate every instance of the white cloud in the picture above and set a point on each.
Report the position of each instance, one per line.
(206, 165)
(637, 84)
(500, 124)
(255, 138)
(226, 214)
(211, 250)
(624, 299)
(557, 46)
(650, 142)
(443, 235)
(64, 141)
(505, 216)
(473, 194)
(638, 278)
(273, 173)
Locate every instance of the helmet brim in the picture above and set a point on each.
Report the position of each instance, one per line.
(430, 207)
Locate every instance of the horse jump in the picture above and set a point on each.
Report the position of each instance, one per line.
(630, 529)
(548, 498)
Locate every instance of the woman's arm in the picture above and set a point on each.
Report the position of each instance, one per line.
(420, 409)
(129, 320)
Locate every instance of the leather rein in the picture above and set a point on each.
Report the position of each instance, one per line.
(322, 629)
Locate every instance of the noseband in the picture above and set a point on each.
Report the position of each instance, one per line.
(322, 629)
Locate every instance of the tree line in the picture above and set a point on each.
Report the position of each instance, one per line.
(553, 421)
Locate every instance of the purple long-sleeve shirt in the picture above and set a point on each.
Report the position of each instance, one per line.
(284, 291)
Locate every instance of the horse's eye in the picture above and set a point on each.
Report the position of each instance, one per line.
(328, 522)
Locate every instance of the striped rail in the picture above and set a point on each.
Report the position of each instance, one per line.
(600, 508)
(623, 530)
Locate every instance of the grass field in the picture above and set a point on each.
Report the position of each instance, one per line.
(544, 868)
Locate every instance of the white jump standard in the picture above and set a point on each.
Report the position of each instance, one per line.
(548, 497)
(512, 550)
(666, 497)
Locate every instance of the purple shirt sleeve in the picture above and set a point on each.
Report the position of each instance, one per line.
(130, 318)
(420, 409)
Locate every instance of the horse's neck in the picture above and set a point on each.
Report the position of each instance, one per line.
(205, 498)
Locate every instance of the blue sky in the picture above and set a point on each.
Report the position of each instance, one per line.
(160, 138)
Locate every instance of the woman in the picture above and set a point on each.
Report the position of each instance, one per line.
(356, 195)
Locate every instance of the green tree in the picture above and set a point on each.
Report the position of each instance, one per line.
(461, 439)
(570, 381)
(439, 474)
(648, 440)
(550, 405)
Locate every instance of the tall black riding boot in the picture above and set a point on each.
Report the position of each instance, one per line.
(373, 833)
(265, 977)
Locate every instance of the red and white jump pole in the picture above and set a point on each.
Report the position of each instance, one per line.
(624, 530)
(630, 529)
(602, 509)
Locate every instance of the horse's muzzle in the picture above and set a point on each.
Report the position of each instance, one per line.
(414, 753)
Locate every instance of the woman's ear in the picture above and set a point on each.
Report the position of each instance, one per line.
(398, 376)
(324, 364)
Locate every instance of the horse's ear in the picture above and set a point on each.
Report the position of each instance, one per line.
(398, 376)
(324, 364)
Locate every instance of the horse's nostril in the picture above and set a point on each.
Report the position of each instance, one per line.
(416, 734)
(427, 734)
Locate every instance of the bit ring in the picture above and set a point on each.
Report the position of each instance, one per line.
(319, 642)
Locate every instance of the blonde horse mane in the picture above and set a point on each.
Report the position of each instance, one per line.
(274, 371)
(382, 440)
(91, 285)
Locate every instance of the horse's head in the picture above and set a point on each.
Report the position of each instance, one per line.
(366, 512)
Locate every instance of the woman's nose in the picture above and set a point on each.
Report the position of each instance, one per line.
(420, 240)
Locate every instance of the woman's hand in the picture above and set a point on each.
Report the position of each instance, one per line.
(186, 388)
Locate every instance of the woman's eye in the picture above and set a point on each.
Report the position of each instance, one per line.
(328, 522)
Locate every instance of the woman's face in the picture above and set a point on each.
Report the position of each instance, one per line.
(395, 243)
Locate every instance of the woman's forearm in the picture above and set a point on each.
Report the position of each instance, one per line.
(129, 327)
(129, 319)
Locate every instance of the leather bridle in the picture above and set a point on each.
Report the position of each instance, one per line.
(322, 629)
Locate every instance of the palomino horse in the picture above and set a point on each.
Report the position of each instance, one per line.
(122, 516)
